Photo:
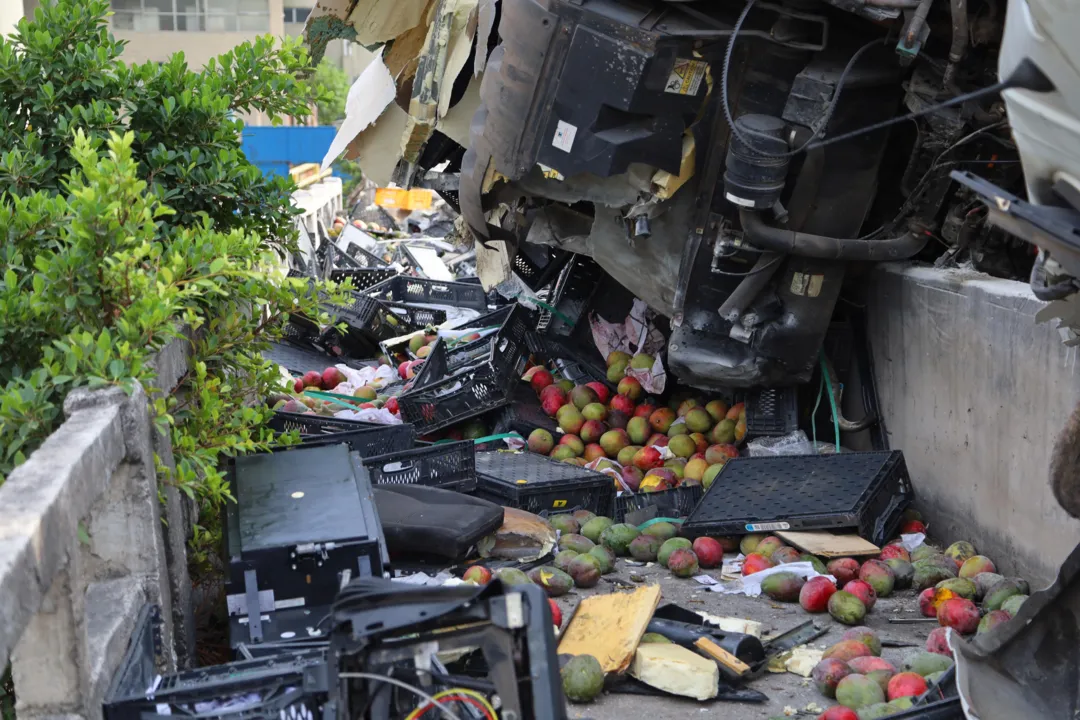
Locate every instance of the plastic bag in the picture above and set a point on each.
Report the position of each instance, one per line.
(636, 334)
(794, 443)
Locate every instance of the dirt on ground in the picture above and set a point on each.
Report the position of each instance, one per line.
(785, 690)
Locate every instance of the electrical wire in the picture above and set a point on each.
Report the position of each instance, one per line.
(726, 72)
(403, 685)
(458, 695)
(832, 400)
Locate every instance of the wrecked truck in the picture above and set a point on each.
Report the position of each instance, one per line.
(733, 164)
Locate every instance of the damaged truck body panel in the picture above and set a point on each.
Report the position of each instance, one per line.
(685, 148)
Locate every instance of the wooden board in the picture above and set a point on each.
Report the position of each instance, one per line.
(609, 627)
(828, 545)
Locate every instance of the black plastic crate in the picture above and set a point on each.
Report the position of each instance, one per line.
(314, 424)
(405, 289)
(675, 503)
(291, 683)
(867, 491)
(524, 414)
(772, 412)
(370, 321)
(538, 484)
(299, 358)
(447, 465)
(472, 380)
(573, 295)
(370, 441)
(575, 364)
(539, 265)
(363, 278)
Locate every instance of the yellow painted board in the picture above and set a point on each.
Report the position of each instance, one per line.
(609, 627)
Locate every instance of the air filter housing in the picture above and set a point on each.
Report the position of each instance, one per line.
(754, 177)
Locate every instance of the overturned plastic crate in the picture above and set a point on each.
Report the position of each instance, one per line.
(447, 465)
(471, 381)
(370, 321)
(363, 278)
(539, 265)
(524, 414)
(291, 683)
(299, 357)
(314, 425)
(572, 363)
(864, 491)
(422, 291)
(573, 294)
(675, 503)
(538, 484)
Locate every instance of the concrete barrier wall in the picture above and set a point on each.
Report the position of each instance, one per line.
(974, 392)
(83, 547)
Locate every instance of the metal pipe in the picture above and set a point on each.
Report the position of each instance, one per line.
(843, 423)
(747, 290)
(959, 30)
(774, 239)
(916, 25)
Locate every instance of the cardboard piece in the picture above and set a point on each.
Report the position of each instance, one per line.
(372, 92)
(523, 537)
(826, 544)
(609, 627)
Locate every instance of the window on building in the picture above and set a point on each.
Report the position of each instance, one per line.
(297, 15)
(191, 15)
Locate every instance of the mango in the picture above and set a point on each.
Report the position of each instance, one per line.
(1002, 591)
(960, 551)
(857, 691)
(566, 524)
(641, 361)
(903, 571)
(866, 636)
(585, 570)
(554, 581)
(1013, 604)
(662, 530)
(605, 557)
(583, 516)
(985, 581)
(683, 563)
(815, 561)
(649, 638)
(783, 586)
(958, 586)
(976, 564)
(645, 547)
(669, 546)
(925, 663)
(922, 552)
(846, 608)
(563, 559)
(577, 543)
(582, 679)
(879, 576)
(595, 527)
(618, 538)
(749, 543)
(512, 576)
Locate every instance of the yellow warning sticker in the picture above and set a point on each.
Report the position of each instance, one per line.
(686, 77)
(559, 504)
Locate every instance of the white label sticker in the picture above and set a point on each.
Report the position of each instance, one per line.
(739, 201)
(767, 527)
(686, 77)
(290, 603)
(799, 281)
(564, 136)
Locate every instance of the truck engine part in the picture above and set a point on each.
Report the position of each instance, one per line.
(768, 237)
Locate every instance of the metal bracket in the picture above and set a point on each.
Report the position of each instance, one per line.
(251, 593)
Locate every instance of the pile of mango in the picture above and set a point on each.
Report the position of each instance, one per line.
(632, 429)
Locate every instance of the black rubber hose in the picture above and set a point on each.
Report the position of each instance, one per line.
(774, 239)
(895, 4)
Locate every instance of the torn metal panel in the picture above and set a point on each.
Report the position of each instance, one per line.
(367, 99)
(377, 148)
(484, 24)
(462, 31)
(455, 123)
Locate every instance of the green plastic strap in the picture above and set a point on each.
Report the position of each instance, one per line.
(332, 397)
(502, 436)
(832, 402)
(649, 523)
(551, 309)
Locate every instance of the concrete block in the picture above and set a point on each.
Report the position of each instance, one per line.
(45, 663)
(112, 607)
(170, 364)
(44, 500)
(974, 392)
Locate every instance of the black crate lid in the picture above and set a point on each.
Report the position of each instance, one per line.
(787, 486)
(525, 470)
(299, 496)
